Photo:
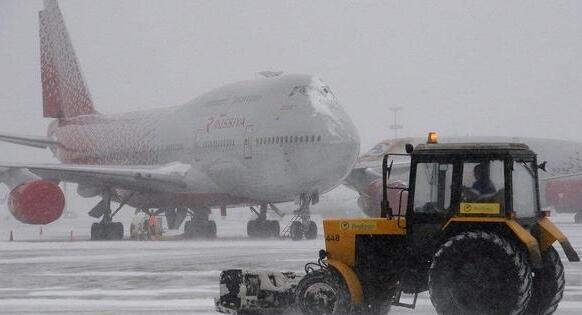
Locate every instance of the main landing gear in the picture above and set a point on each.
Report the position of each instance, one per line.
(200, 225)
(301, 225)
(261, 227)
(107, 229)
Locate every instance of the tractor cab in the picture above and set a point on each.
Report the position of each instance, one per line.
(473, 179)
(468, 181)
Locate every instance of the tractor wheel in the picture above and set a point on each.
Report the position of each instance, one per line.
(480, 273)
(322, 292)
(548, 285)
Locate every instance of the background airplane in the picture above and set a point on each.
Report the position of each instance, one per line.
(275, 139)
(560, 185)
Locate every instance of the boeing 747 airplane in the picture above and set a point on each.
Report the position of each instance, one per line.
(254, 143)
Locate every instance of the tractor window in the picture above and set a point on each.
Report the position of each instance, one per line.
(432, 192)
(484, 182)
(524, 196)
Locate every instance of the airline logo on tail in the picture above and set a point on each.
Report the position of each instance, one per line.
(64, 92)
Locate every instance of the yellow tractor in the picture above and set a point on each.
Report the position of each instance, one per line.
(469, 229)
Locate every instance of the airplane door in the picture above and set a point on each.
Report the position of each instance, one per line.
(248, 142)
(197, 145)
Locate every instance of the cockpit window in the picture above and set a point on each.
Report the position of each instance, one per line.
(308, 90)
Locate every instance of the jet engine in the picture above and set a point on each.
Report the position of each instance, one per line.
(371, 198)
(37, 202)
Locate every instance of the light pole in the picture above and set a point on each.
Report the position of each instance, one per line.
(395, 126)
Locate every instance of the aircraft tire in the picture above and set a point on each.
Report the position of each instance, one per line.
(480, 273)
(252, 228)
(211, 230)
(296, 231)
(196, 230)
(263, 229)
(132, 232)
(188, 230)
(311, 232)
(97, 232)
(114, 231)
(275, 228)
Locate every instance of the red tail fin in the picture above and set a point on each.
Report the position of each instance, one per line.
(64, 92)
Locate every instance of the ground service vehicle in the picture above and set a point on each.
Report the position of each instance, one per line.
(472, 233)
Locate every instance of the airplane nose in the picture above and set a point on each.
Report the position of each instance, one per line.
(341, 145)
(336, 124)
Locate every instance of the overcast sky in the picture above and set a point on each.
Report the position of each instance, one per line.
(457, 67)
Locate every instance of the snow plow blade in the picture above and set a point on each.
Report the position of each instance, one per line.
(256, 292)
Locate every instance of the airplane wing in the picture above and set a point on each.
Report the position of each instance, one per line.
(31, 141)
(169, 177)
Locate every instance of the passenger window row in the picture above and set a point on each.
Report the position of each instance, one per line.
(287, 139)
(225, 144)
(228, 144)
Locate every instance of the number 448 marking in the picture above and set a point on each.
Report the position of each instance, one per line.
(332, 238)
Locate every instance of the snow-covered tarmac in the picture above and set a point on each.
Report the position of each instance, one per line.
(49, 274)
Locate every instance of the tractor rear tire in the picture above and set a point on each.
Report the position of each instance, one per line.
(322, 292)
(480, 273)
(548, 285)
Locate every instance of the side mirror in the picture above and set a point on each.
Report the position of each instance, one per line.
(409, 148)
(543, 165)
(385, 210)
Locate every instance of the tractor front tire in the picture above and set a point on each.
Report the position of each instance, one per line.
(548, 285)
(322, 292)
(480, 273)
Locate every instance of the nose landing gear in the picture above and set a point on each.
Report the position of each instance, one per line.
(301, 224)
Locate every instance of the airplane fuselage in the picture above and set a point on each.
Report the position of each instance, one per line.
(269, 139)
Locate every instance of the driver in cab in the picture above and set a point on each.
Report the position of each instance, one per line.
(483, 188)
(483, 184)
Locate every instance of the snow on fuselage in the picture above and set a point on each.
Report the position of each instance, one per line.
(268, 139)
